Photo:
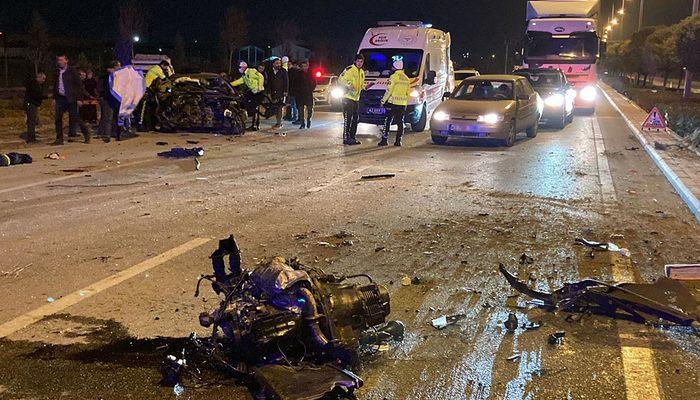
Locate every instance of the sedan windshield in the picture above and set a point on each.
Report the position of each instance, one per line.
(484, 90)
(378, 61)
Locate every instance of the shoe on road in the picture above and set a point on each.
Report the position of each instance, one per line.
(302, 126)
(397, 143)
(354, 142)
(382, 142)
(57, 143)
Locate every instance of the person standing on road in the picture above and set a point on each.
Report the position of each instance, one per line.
(353, 81)
(148, 106)
(34, 95)
(395, 101)
(109, 105)
(294, 75)
(279, 89)
(305, 95)
(254, 83)
(68, 88)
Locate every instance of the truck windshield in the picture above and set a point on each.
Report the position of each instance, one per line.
(579, 46)
(378, 61)
(484, 90)
(542, 79)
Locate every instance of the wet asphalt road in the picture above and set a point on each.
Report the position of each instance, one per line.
(449, 216)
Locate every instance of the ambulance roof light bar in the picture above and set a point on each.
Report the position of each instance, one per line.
(401, 23)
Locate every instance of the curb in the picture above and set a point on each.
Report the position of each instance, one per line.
(686, 195)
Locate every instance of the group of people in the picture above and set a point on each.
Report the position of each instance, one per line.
(71, 88)
(288, 85)
(395, 100)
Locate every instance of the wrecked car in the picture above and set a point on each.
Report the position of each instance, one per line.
(666, 299)
(289, 330)
(198, 102)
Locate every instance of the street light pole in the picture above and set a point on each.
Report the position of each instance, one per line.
(641, 15)
(689, 75)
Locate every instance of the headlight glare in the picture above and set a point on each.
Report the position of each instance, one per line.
(555, 100)
(441, 116)
(337, 93)
(588, 93)
(491, 118)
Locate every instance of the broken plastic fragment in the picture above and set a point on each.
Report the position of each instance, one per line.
(178, 390)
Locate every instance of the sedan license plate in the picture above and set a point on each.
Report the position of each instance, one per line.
(376, 110)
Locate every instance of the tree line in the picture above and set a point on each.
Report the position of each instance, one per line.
(657, 51)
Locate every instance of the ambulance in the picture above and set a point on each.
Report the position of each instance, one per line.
(426, 58)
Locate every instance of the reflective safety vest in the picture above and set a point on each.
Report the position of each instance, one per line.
(154, 73)
(253, 79)
(353, 79)
(398, 90)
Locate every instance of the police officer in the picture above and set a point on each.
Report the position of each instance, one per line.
(353, 80)
(149, 104)
(255, 84)
(395, 101)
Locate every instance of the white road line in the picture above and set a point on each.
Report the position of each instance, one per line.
(63, 178)
(607, 188)
(61, 304)
(641, 377)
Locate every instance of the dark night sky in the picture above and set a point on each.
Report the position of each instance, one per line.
(479, 26)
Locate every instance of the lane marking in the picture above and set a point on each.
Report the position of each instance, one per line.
(641, 377)
(61, 304)
(686, 194)
(63, 178)
(607, 188)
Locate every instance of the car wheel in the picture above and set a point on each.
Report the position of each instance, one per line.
(532, 131)
(439, 139)
(561, 122)
(422, 121)
(510, 140)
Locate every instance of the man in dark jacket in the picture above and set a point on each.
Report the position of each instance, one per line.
(305, 95)
(293, 109)
(109, 105)
(33, 97)
(68, 88)
(278, 89)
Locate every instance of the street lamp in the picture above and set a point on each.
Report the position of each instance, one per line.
(136, 39)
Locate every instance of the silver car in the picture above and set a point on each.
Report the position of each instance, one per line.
(493, 107)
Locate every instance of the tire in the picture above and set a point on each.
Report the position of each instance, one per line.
(560, 123)
(439, 139)
(510, 140)
(532, 131)
(422, 121)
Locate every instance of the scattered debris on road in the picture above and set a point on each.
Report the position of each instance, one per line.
(665, 299)
(511, 323)
(13, 158)
(180, 152)
(603, 247)
(161, 143)
(285, 322)
(55, 156)
(444, 321)
(378, 176)
(525, 259)
(513, 358)
(556, 338)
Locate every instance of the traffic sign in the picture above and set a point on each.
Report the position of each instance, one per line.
(654, 120)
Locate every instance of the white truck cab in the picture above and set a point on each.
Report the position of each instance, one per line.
(426, 58)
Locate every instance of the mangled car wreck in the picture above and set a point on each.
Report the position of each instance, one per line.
(288, 330)
(197, 102)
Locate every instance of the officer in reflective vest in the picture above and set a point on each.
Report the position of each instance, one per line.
(353, 81)
(254, 82)
(395, 101)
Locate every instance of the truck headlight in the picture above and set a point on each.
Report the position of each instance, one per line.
(555, 100)
(337, 93)
(588, 93)
(441, 116)
(491, 118)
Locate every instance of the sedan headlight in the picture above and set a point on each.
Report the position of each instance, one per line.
(588, 93)
(492, 118)
(441, 116)
(555, 100)
(337, 93)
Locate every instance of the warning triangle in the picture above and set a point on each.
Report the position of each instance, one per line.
(654, 120)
